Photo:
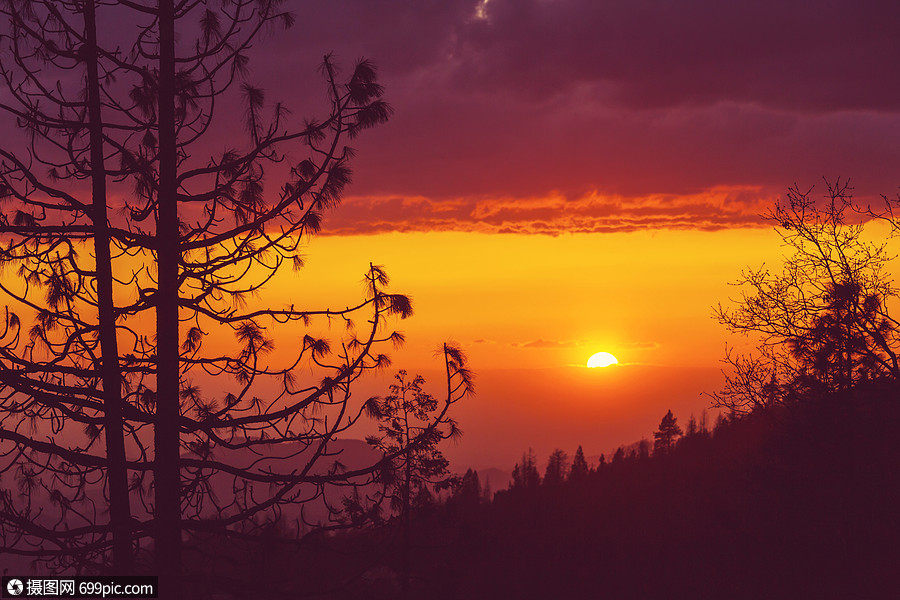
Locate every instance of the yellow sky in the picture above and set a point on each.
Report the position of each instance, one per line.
(644, 296)
(529, 310)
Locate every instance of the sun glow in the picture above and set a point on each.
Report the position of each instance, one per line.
(602, 359)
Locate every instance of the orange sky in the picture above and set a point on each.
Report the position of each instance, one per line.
(530, 309)
(562, 178)
(578, 176)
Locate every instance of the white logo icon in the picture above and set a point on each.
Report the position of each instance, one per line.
(14, 587)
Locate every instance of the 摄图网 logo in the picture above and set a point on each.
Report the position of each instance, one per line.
(14, 587)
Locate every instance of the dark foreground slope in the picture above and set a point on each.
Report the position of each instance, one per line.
(792, 503)
(763, 510)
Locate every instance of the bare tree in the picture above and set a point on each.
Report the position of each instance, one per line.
(119, 284)
(823, 322)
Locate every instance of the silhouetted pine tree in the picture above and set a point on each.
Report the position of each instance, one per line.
(468, 494)
(643, 450)
(579, 471)
(667, 434)
(557, 468)
(525, 475)
(692, 427)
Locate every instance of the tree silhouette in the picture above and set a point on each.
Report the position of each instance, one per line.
(67, 369)
(643, 449)
(557, 468)
(469, 492)
(834, 352)
(692, 428)
(668, 433)
(412, 424)
(823, 323)
(579, 471)
(525, 475)
(130, 307)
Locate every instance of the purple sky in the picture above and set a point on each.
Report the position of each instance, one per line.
(577, 115)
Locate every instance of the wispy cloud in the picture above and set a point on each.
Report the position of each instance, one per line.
(553, 214)
(541, 343)
(641, 345)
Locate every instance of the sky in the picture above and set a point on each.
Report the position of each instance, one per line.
(563, 177)
(562, 116)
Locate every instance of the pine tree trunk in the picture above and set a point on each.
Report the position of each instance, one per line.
(117, 472)
(167, 472)
(407, 533)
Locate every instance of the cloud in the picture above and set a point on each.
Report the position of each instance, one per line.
(778, 53)
(551, 215)
(540, 343)
(543, 344)
(641, 345)
(582, 115)
(787, 54)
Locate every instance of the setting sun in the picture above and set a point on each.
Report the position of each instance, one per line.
(602, 359)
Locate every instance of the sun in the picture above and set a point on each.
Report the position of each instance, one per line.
(602, 359)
